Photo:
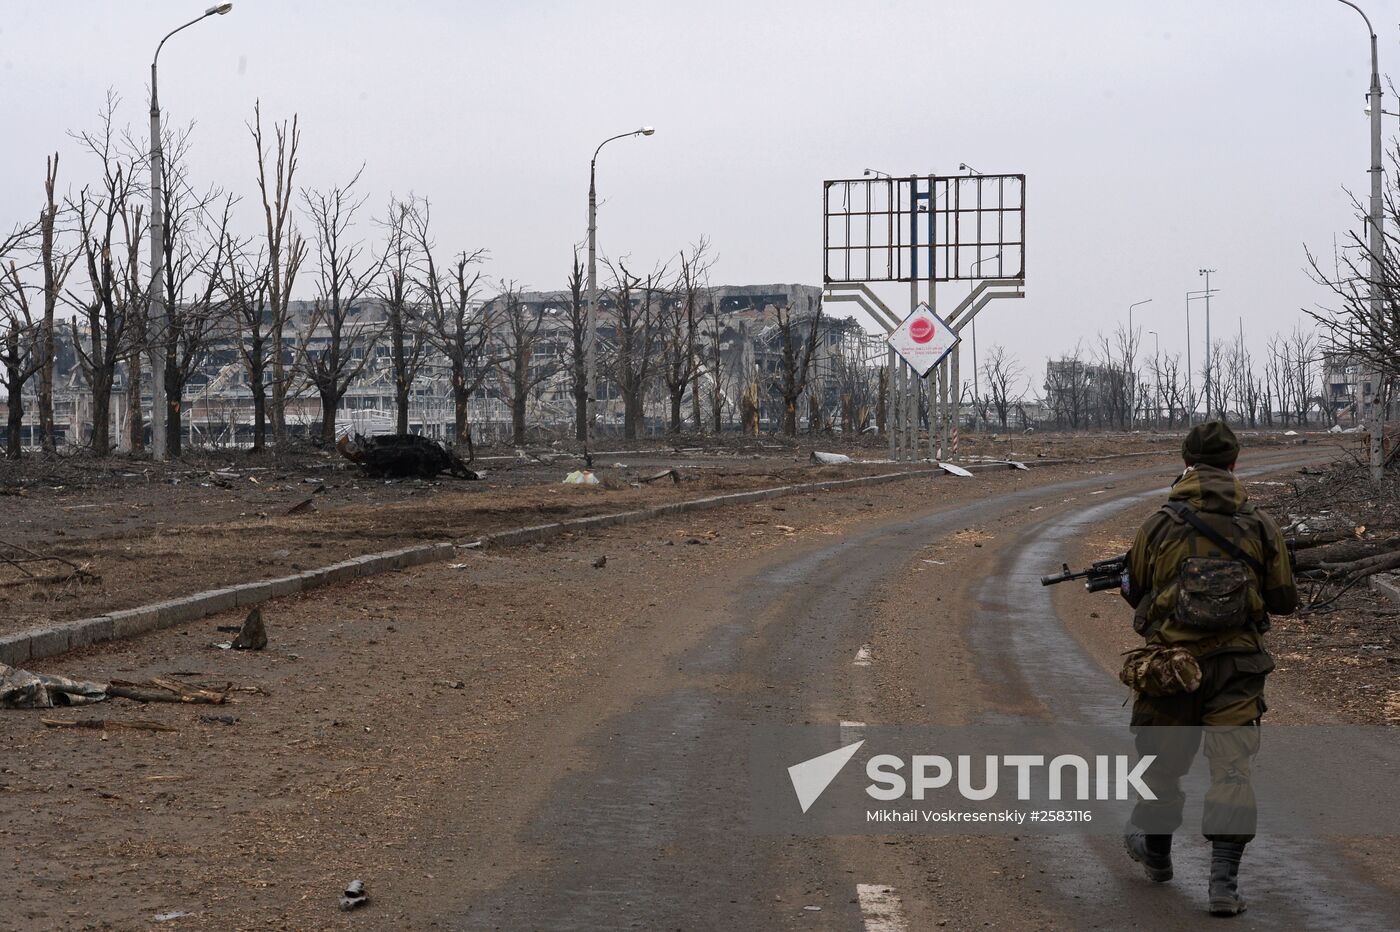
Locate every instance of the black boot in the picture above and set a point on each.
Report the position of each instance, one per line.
(1225, 899)
(1153, 852)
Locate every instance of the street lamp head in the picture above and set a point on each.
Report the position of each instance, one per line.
(647, 130)
(221, 9)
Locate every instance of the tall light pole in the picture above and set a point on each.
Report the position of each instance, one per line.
(590, 352)
(1207, 273)
(1132, 402)
(1156, 380)
(1374, 423)
(156, 299)
(1190, 374)
(976, 385)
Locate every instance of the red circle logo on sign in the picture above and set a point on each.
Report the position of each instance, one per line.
(921, 330)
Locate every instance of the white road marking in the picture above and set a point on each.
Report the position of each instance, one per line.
(851, 731)
(863, 656)
(880, 907)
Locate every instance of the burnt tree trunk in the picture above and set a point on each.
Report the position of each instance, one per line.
(135, 423)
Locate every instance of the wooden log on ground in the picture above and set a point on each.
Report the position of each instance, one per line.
(102, 724)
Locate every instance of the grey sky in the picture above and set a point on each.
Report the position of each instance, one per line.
(1156, 137)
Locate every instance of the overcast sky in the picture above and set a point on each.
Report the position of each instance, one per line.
(1156, 138)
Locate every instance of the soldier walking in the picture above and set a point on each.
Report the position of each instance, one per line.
(1204, 574)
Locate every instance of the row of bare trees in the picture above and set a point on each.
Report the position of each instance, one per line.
(385, 302)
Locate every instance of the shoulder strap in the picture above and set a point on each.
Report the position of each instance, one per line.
(1188, 514)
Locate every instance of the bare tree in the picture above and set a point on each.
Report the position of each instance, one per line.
(339, 338)
(716, 369)
(284, 252)
(456, 322)
(797, 340)
(245, 286)
(1067, 389)
(19, 357)
(577, 312)
(518, 333)
(110, 224)
(195, 244)
(634, 317)
(680, 315)
(56, 264)
(1004, 375)
(406, 335)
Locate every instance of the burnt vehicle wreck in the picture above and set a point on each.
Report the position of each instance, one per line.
(406, 456)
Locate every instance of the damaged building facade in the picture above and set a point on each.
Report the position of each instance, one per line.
(738, 321)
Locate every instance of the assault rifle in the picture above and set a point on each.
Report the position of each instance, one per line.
(1105, 574)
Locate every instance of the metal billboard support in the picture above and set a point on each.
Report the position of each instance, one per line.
(932, 228)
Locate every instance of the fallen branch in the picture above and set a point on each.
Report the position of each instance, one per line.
(102, 724)
(162, 690)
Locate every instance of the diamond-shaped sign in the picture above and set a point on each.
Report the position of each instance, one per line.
(923, 339)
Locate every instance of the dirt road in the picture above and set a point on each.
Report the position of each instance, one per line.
(527, 741)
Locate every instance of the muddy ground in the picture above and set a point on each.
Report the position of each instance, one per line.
(143, 532)
(389, 707)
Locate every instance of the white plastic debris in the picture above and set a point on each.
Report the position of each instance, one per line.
(830, 459)
(953, 470)
(1290, 433)
(1335, 429)
(580, 477)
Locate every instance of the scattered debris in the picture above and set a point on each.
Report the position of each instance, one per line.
(21, 558)
(20, 689)
(354, 895)
(452, 684)
(601, 562)
(219, 719)
(581, 477)
(953, 470)
(675, 476)
(173, 914)
(163, 690)
(253, 636)
(102, 724)
(302, 507)
(406, 456)
(830, 459)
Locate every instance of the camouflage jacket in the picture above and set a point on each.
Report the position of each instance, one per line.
(1165, 540)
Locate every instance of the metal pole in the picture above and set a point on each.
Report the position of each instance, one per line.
(157, 311)
(590, 352)
(1210, 407)
(1374, 418)
(1190, 376)
(1375, 424)
(590, 338)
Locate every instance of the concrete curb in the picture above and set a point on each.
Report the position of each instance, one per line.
(52, 640)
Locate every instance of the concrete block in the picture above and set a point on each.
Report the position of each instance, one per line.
(312, 578)
(282, 586)
(1388, 585)
(134, 621)
(47, 642)
(172, 612)
(14, 649)
(213, 601)
(88, 631)
(341, 572)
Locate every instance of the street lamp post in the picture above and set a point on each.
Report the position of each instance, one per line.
(1374, 424)
(1207, 273)
(1190, 374)
(1132, 402)
(156, 300)
(1156, 380)
(590, 351)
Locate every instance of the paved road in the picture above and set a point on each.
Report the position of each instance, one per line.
(651, 828)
